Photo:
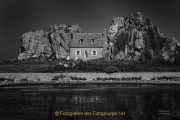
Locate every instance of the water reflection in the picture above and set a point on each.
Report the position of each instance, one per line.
(42, 104)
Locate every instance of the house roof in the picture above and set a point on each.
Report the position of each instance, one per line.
(87, 40)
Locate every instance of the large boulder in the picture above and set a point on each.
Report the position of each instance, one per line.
(47, 51)
(33, 45)
(135, 37)
(23, 56)
(59, 39)
(170, 49)
(40, 44)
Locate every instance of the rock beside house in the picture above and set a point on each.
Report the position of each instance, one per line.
(38, 45)
(135, 38)
(171, 49)
(34, 45)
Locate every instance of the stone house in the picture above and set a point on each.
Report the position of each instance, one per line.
(87, 46)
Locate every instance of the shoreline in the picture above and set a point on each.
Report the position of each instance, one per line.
(47, 78)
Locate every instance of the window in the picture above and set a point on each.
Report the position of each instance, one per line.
(78, 52)
(81, 40)
(86, 54)
(94, 52)
(92, 40)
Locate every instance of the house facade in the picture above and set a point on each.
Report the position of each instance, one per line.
(87, 46)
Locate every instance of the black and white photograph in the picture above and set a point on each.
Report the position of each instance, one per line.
(89, 59)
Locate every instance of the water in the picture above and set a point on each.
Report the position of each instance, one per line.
(46, 102)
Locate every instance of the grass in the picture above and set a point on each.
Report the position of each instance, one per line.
(71, 79)
(44, 66)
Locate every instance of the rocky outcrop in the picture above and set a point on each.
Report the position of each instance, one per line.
(34, 45)
(135, 38)
(128, 38)
(171, 49)
(54, 43)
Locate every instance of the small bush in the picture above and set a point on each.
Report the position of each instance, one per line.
(7, 79)
(104, 79)
(154, 78)
(79, 60)
(24, 80)
(71, 64)
(111, 69)
(97, 60)
(77, 78)
(71, 60)
(110, 78)
(163, 78)
(63, 59)
(58, 76)
(2, 79)
(123, 78)
(136, 78)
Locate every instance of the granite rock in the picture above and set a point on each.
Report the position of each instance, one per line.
(33, 45)
(54, 43)
(135, 37)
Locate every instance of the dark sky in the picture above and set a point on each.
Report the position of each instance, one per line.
(20, 16)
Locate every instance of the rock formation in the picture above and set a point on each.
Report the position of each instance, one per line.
(42, 44)
(34, 45)
(128, 38)
(135, 38)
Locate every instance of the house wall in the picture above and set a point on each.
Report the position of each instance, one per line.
(82, 53)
